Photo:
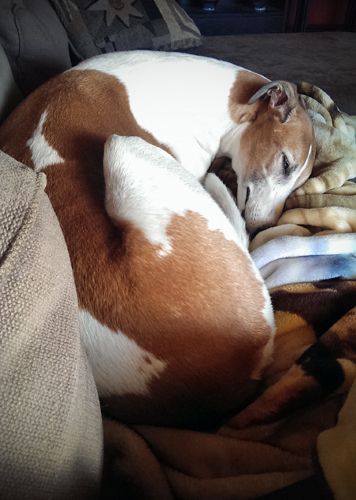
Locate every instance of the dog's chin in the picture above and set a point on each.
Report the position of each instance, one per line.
(254, 226)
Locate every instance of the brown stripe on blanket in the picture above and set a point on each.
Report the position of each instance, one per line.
(341, 338)
(321, 305)
(321, 363)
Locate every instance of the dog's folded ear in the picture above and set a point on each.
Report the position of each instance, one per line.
(283, 97)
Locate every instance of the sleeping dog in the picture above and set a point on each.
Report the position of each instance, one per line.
(173, 313)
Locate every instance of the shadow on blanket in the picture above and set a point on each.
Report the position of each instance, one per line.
(309, 264)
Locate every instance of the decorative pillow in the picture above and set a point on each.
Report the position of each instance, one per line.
(100, 26)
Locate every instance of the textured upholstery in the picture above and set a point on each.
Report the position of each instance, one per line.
(50, 421)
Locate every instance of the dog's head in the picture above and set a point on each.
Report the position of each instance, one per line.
(275, 155)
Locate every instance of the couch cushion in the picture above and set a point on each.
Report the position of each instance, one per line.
(34, 41)
(50, 421)
(101, 26)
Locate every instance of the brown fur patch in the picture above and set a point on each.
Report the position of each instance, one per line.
(245, 86)
(191, 309)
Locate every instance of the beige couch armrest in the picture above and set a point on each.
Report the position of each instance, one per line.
(50, 420)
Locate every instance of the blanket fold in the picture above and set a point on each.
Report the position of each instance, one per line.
(297, 259)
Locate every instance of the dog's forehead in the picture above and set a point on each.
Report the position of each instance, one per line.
(299, 136)
(263, 142)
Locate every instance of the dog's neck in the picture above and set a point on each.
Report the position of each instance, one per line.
(230, 140)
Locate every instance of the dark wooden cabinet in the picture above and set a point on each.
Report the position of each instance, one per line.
(230, 17)
(323, 15)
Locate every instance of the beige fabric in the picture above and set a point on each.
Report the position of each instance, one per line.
(51, 428)
(328, 219)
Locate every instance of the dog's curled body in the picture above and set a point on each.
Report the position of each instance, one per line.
(174, 315)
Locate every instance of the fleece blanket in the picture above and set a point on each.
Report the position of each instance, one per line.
(293, 429)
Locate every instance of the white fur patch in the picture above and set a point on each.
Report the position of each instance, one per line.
(42, 153)
(181, 99)
(147, 187)
(120, 366)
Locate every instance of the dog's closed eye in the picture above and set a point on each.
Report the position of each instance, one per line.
(285, 164)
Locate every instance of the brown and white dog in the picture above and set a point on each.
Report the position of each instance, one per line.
(174, 315)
